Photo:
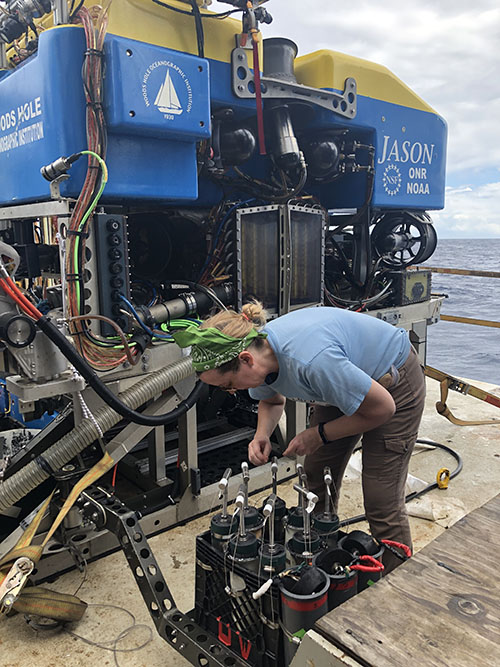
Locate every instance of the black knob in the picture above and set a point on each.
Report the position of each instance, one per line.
(114, 239)
(113, 225)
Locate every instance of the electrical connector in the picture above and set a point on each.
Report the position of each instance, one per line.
(59, 167)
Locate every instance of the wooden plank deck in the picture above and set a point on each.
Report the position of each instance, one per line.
(440, 608)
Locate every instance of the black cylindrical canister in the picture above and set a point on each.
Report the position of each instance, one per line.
(359, 543)
(299, 611)
(244, 550)
(279, 57)
(272, 559)
(327, 527)
(343, 582)
(280, 512)
(253, 521)
(294, 522)
(221, 529)
(301, 550)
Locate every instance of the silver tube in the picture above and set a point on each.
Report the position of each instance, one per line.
(61, 13)
(29, 477)
(223, 491)
(240, 504)
(172, 309)
(246, 478)
(274, 475)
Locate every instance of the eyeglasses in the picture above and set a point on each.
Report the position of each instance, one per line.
(229, 389)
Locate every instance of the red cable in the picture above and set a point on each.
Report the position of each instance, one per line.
(113, 481)
(258, 98)
(28, 306)
(374, 564)
(16, 294)
(404, 547)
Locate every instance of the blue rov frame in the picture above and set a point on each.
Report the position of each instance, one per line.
(158, 105)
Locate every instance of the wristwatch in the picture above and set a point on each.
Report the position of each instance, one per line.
(321, 431)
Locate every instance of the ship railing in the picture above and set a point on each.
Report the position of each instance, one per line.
(465, 272)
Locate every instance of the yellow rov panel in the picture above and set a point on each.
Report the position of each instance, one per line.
(148, 22)
(145, 21)
(330, 69)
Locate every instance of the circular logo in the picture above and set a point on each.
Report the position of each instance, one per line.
(391, 179)
(166, 88)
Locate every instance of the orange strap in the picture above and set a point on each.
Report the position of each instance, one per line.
(40, 601)
(448, 382)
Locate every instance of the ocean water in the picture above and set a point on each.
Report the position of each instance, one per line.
(463, 349)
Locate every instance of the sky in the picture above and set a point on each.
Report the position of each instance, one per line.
(448, 52)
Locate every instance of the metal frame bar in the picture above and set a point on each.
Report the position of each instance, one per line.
(3, 56)
(188, 448)
(344, 104)
(61, 13)
(96, 543)
(37, 210)
(179, 630)
(285, 251)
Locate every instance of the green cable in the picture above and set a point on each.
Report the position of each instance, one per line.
(180, 324)
(104, 180)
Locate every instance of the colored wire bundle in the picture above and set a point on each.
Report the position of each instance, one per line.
(102, 354)
(213, 271)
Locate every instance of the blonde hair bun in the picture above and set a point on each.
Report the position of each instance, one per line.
(236, 324)
(255, 312)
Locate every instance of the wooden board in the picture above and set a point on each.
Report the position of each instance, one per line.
(442, 607)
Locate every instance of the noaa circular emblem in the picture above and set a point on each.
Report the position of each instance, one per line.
(166, 88)
(391, 179)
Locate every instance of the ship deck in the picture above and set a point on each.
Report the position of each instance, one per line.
(442, 608)
(412, 593)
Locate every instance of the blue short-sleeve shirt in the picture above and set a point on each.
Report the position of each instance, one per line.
(330, 356)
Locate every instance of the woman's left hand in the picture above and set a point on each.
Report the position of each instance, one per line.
(304, 443)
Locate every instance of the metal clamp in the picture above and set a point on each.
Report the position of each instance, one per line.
(243, 84)
(14, 582)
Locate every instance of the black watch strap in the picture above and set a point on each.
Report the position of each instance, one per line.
(321, 431)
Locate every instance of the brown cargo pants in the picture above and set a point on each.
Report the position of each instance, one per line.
(386, 453)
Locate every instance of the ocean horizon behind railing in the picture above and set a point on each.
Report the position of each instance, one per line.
(466, 350)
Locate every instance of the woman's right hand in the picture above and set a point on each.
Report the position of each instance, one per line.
(259, 450)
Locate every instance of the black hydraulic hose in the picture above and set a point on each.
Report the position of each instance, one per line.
(429, 487)
(106, 394)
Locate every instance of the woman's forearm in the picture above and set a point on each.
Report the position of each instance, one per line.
(268, 417)
(376, 409)
(344, 426)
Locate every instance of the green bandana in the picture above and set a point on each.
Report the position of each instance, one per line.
(210, 348)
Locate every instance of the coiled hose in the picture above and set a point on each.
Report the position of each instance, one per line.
(29, 477)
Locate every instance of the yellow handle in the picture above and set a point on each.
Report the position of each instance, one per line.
(442, 478)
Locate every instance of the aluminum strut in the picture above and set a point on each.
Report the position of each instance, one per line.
(193, 642)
